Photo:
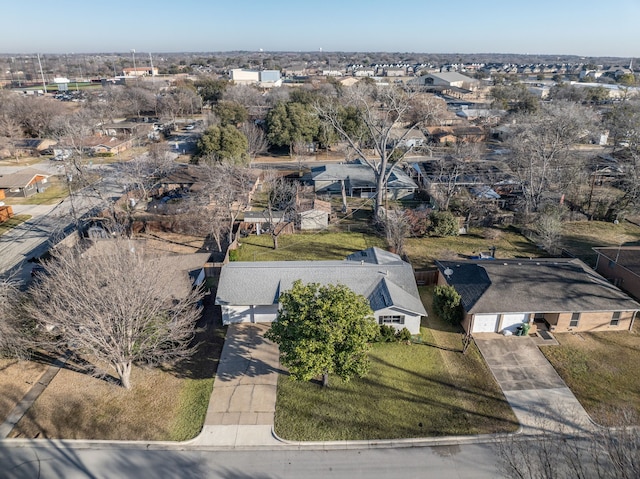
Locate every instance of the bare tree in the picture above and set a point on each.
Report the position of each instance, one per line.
(604, 453)
(225, 194)
(397, 228)
(115, 305)
(37, 115)
(380, 119)
(144, 171)
(256, 139)
(548, 228)
(540, 145)
(282, 205)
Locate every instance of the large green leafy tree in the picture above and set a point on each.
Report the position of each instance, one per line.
(224, 143)
(290, 123)
(210, 89)
(323, 330)
(230, 113)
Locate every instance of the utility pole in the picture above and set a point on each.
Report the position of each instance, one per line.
(135, 71)
(153, 73)
(44, 83)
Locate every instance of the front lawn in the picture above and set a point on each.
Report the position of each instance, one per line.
(602, 371)
(305, 246)
(164, 404)
(417, 390)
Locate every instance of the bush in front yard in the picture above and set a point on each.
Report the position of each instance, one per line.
(404, 335)
(446, 303)
(387, 334)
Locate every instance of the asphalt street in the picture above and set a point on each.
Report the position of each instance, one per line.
(476, 461)
(50, 224)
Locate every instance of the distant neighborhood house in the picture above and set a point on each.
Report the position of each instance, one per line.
(24, 183)
(358, 180)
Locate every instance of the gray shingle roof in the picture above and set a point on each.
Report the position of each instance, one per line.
(261, 283)
(540, 285)
(359, 175)
(21, 178)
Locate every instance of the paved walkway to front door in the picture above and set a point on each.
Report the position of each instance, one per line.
(540, 399)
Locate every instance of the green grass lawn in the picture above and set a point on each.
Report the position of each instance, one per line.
(509, 243)
(305, 246)
(12, 223)
(417, 390)
(580, 237)
(602, 371)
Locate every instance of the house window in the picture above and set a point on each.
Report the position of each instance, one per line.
(615, 318)
(391, 319)
(575, 319)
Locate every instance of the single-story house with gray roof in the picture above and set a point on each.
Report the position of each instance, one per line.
(554, 294)
(249, 292)
(25, 182)
(359, 181)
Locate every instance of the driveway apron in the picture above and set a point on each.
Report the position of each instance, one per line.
(540, 399)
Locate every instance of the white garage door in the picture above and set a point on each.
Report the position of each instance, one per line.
(485, 323)
(265, 314)
(512, 321)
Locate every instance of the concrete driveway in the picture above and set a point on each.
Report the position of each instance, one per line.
(540, 399)
(243, 402)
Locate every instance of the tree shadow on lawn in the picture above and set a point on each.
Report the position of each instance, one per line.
(443, 413)
(72, 362)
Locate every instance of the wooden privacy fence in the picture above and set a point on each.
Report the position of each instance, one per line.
(426, 277)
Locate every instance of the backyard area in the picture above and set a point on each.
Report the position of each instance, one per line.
(579, 237)
(602, 371)
(427, 388)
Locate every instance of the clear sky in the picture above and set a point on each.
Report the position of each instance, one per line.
(586, 27)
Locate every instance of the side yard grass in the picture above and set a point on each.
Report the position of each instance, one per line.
(418, 390)
(602, 371)
(579, 237)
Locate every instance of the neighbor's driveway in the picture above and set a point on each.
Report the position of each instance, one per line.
(538, 396)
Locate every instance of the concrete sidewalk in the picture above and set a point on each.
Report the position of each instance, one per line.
(540, 399)
(27, 401)
(243, 402)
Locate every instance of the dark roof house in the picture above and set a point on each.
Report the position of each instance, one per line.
(563, 294)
